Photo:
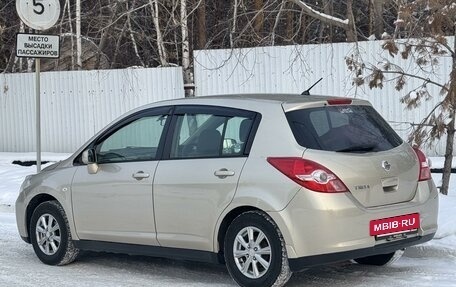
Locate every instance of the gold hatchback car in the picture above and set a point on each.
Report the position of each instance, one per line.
(266, 184)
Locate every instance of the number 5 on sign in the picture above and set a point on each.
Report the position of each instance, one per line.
(38, 14)
(37, 3)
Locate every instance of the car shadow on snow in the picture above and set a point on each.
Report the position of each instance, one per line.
(347, 274)
(175, 270)
(339, 274)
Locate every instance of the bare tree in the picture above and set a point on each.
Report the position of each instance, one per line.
(67, 8)
(188, 77)
(377, 17)
(149, 32)
(233, 25)
(160, 41)
(78, 34)
(277, 21)
(132, 35)
(259, 17)
(202, 36)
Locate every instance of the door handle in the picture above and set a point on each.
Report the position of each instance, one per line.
(390, 184)
(140, 175)
(223, 173)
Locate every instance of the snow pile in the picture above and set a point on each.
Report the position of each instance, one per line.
(444, 242)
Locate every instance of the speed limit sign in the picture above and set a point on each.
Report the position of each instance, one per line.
(38, 14)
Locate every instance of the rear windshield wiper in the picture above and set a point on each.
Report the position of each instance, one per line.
(359, 148)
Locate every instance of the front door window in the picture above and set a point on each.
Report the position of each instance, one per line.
(136, 141)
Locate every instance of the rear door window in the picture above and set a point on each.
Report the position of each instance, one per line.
(205, 132)
(343, 129)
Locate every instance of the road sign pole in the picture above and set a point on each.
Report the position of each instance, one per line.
(39, 15)
(38, 114)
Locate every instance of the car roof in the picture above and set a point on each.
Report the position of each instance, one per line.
(277, 98)
(264, 98)
(254, 102)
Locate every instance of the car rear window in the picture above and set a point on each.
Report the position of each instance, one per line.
(343, 128)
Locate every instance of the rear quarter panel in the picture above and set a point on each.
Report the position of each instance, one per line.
(261, 185)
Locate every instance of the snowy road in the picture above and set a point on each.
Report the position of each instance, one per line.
(20, 267)
(431, 264)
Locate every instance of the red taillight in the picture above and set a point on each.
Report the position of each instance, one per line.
(308, 174)
(339, 101)
(425, 171)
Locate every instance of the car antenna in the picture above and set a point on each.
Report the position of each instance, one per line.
(307, 92)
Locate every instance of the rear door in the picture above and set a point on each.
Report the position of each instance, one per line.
(198, 176)
(359, 146)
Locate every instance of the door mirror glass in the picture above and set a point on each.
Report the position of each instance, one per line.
(88, 156)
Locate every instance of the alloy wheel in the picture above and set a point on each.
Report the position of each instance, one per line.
(252, 252)
(48, 234)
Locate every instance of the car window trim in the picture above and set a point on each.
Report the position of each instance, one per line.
(212, 110)
(252, 133)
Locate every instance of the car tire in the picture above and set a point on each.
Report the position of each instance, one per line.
(261, 257)
(381, 259)
(50, 234)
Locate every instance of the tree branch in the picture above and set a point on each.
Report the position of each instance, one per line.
(427, 80)
(331, 20)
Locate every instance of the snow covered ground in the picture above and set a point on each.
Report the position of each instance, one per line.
(430, 264)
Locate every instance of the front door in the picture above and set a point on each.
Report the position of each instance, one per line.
(116, 203)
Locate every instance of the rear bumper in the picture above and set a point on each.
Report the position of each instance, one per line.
(321, 228)
(298, 264)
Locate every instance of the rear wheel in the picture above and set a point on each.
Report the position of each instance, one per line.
(381, 259)
(50, 234)
(255, 251)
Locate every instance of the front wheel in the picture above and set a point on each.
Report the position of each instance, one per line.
(255, 252)
(50, 234)
(381, 259)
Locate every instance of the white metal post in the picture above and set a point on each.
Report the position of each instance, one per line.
(38, 115)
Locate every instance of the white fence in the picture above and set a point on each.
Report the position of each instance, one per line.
(75, 105)
(292, 69)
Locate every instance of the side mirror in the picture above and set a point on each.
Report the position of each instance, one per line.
(89, 158)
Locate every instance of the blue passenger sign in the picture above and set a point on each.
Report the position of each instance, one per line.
(37, 46)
